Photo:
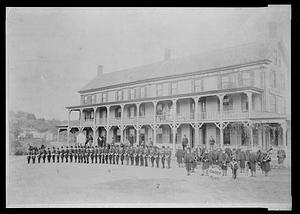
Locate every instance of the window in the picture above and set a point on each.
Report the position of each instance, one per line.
(226, 82)
(227, 103)
(246, 78)
(118, 112)
(174, 88)
(94, 98)
(85, 99)
(132, 94)
(119, 95)
(104, 97)
(159, 90)
(99, 97)
(272, 103)
(272, 79)
(142, 110)
(89, 99)
(198, 86)
(143, 92)
(244, 102)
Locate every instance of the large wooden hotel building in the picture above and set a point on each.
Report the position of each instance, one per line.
(236, 95)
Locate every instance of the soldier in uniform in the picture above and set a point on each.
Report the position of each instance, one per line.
(131, 155)
(39, 155)
(179, 157)
(79, 154)
(224, 160)
(67, 154)
(106, 154)
(71, 154)
(137, 155)
(242, 160)
(146, 156)
(152, 158)
(57, 155)
(53, 154)
(110, 155)
(28, 156)
(44, 155)
(92, 152)
(101, 155)
(96, 154)
(117, 155)
(205, 163)
(33, 156)
(122, 154)
(168, 157)
(127, 154)
(141, 155)
(163, 157)
(157, 157)
(75, 154)
(49, 155)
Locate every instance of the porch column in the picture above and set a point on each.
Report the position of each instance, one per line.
(107, 128)
(137, 112)
(122, 114)
(95, 109)
(264, 145)
(174, 105)
(221, 136)
(174, 129)
(107, 115)
(121, 131)
(221, 97)
(58, 135)
(284, 134)
(68, 129)
(154, 129)
(196, 118)
(80, 117)
(249, 96)
(94, 135)
(251, 135)
(260, 136)
(137, 134)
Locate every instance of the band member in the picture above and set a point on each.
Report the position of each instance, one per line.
(266, 159)
(179, 157)
(151, 155)
(195, 158)
(247, 162)
(40, 153)
(113, 154)
(28, 156)
(49, 155)
(224, 162)
(252, 163)
(57, 155)
(141, 154)
(101, 155)
(242, 160)
(163, 157)
(79, 154)
(71, 154)
(75, 154)
(188, 159)
(106, 154)
(168, 157)
(259, 159)
(205, 163)
(280, 157)
(157, 157)
(62, 154)
(92, 152)
(44, 155)
(67, 154)
(234, 167)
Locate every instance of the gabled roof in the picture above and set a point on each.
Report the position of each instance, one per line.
(195, 63)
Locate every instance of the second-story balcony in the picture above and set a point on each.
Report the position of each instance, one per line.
(185, 117)
(100, 121)
(74, 123)
(87, 122)
(146, 119)
(235, 114)
(161, 118)
(130, 120)
(115, 120)
(209, 115)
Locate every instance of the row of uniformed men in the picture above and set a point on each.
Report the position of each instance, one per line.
(111, 154)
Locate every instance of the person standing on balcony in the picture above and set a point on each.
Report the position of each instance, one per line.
(185, 142)
(211, 143)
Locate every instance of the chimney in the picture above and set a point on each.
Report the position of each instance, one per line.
(167, 53)
(100, 70)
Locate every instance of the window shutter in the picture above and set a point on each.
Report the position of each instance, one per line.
(240, 80)
(220, 82)
(252, 78)
(193, 86)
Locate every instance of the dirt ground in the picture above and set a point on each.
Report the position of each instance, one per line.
(100, 185)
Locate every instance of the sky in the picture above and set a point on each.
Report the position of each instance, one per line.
(51, 53)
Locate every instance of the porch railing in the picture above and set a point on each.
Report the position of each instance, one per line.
(115, 120)
(131, 120)
(209, 115)
(185, 117)
(164, 118)
(87, 122)
(100, 121)
(235, 115)
(146, 119)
